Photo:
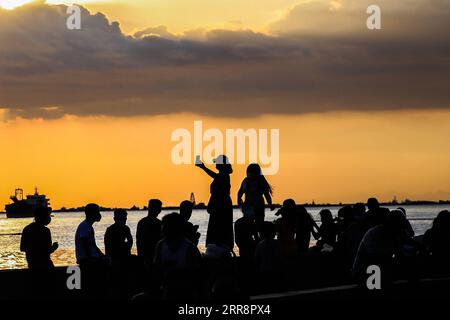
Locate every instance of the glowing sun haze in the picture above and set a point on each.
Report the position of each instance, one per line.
(11, 4)
(181, 15)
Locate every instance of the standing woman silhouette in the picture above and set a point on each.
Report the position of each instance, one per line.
(220, 207)
(255, 188)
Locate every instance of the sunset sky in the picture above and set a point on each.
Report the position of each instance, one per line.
(87, 115)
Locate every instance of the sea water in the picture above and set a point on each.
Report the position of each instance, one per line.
(63, 227)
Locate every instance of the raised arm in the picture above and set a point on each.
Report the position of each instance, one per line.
(240, 194)
(202, 166)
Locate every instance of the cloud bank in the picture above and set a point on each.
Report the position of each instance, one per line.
(319, 57)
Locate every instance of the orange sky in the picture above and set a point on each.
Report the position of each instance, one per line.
(324, 157)
(100, 105)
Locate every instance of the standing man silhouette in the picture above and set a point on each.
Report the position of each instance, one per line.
(36, 241)
(149, 232)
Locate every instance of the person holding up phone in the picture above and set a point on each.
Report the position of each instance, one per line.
(220, 207)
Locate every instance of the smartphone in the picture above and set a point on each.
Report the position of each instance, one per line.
(198, 160)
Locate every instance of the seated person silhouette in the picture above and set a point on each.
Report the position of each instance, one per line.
(268, 255)
(328, 231)
(305, 226)
(286, 228)
(174, 250)
(118, 239)
(176, 258)
(269, 260)
(245, 234)
(376, 214)
(36, 241)
(437, 243)
(379, 245)
(191, 231)
(149, 232)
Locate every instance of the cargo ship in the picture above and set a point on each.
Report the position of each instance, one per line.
(25, 208)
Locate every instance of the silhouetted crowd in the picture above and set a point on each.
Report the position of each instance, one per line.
(274, 256)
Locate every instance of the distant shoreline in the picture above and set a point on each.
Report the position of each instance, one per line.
(202, 206)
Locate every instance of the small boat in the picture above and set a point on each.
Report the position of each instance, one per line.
(25, 208)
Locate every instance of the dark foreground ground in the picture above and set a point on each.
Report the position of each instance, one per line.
(20, 285)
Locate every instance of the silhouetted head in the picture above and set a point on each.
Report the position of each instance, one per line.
(268, 230)
(345, 214)
(186, 209)
(373, 204)
(172, 226)
(402, 210)
(394, 222)
(253, 170)
(359, 211)
(442, 222)
(289, 204)
(289, 208)
(325, 216)
(120, 216)
(301, 210)
(154, 207)
(223, 164)
(92, 212)
(42, 216)
(380, 215)
(244, 230)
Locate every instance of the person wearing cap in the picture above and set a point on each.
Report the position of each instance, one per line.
(220, 206)
(36, 241)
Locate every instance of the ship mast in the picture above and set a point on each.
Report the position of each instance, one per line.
(192, 198)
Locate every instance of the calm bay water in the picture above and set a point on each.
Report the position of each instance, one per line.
(63, 228)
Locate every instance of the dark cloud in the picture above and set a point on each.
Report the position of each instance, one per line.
(47, 70)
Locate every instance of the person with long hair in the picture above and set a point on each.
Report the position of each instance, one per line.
(220, 206)
(305, 227)
(255, 188)
(437, 244)
(286, 229)
(328, 229)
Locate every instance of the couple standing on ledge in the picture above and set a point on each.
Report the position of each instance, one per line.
(220, 207)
